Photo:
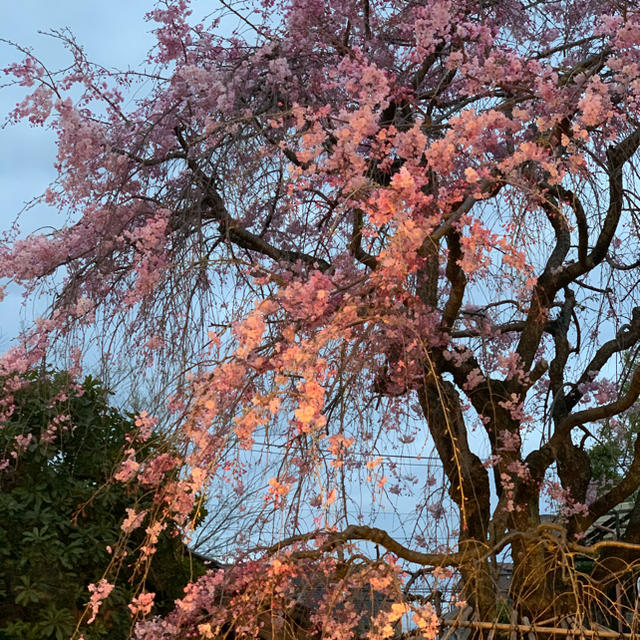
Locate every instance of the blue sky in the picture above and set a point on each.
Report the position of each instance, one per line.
(114, 34)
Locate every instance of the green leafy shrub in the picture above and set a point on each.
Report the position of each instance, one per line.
(60, 514)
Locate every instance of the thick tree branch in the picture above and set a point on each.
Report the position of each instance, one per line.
(625, 338)
(602, 411)
(457, 278)
(538, 461)
(546, 286)
(622, 490)
(381, 537)
(468, 479)
(549, 283)
(215, 209)
(616, 158)
(355, 246)
(490, 187)
(559, 329)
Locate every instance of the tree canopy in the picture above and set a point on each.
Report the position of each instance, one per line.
(348, 234)
(61, 517)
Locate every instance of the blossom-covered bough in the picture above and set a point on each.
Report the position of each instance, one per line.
(362, 230)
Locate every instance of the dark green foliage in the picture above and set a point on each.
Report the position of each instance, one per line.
(58, 514)
(611, 456)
